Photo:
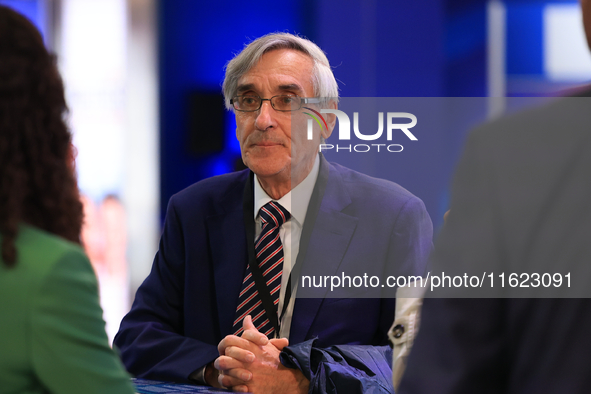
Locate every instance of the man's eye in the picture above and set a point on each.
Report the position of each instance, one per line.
(287, 99)
(247, 100)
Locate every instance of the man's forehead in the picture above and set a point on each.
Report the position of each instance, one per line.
(243, 87)
(281, 70)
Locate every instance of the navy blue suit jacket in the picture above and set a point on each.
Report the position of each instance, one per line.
(186, 306)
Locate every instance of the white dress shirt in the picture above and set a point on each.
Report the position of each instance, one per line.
(296, 202)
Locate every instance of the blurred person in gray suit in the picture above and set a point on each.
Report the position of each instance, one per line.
(521, 202)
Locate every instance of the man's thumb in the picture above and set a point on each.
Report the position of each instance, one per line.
(247, 323)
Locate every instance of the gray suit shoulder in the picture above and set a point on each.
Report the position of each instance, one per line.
(563, 120)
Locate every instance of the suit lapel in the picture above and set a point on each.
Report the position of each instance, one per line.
(330, 234)
(327, 235)
(227, 243)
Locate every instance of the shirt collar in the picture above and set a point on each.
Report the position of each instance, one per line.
(296, 201)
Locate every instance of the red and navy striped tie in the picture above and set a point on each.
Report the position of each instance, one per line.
(269, 256)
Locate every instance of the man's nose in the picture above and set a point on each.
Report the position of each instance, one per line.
(266, 117)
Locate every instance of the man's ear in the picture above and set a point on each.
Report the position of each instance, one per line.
(331, 119)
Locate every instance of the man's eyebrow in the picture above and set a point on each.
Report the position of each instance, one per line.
(250, 86)
(291, 86)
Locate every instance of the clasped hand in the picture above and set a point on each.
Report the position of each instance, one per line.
(250, 363)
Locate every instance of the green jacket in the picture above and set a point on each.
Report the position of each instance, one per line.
(52, 335)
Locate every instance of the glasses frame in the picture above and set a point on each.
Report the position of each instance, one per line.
(303, 100)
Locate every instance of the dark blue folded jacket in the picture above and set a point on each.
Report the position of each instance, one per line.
(343, 369)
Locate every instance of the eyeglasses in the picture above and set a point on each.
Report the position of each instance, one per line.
(282, 102)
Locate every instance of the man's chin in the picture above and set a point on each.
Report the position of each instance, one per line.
(267, 170)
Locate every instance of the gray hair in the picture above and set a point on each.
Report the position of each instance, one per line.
(323, 81)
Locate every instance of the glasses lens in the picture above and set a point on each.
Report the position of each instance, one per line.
(286, 102)
(247, 103)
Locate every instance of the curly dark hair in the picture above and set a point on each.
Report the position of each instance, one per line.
(37, 178)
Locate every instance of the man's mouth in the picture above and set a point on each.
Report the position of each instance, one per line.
(265, 144)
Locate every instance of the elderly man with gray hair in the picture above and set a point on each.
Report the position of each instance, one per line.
(219, 307)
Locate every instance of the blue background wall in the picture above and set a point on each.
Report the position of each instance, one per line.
(383, 48)
(32, 9)
(196, 40)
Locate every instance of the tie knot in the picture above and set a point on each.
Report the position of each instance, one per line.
(274, 214)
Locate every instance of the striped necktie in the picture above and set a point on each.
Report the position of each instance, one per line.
(269, 257)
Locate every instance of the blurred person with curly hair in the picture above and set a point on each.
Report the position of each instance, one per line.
(52, 336)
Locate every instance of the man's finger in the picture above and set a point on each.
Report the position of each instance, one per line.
(248, 324)
(279, 343)
(252, 334)
(244, 375)
(241, 389)
(229, 381)
(239, 354)
(255, 337)
(233, 340)
(224, 363)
